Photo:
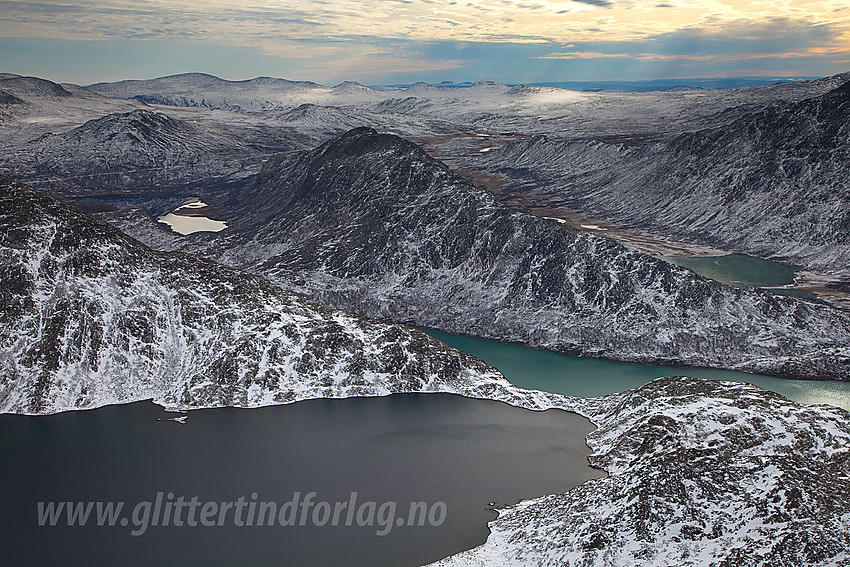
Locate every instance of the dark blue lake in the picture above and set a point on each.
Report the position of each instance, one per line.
(453, 454)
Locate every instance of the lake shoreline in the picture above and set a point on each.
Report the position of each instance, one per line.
(474, 456)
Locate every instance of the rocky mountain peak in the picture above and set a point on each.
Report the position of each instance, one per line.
(370, 223)
(360, 173)
(350, 87)
(367, 142)
(142, 122)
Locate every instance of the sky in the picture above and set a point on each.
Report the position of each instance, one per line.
(404, 41)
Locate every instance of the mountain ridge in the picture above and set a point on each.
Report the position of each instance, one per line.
(781, 191)
(92, 317)
(372, 224)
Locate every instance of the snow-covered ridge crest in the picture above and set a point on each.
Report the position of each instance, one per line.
(701, 473)
(370, 223)
(484, 104)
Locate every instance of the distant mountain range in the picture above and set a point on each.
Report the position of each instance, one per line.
(525, 109)
(646, 85)
(773, 183)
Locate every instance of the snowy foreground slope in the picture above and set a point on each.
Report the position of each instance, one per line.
(371, 224)
(91, 317)
(700, 473)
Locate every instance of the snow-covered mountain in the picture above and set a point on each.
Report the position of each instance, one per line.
(31, 107)
(700, 473)
(146, 152)
(772, 184)
(325, 122)
(208, 91)
(73, 142)
(91, 317)
(370, 223)
(525, 109)
(227, 142)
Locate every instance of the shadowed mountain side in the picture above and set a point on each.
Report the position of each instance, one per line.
(772, 184)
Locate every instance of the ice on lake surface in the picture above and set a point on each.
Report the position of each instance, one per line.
(187, 225)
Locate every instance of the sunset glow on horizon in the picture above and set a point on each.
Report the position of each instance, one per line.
(391, 41)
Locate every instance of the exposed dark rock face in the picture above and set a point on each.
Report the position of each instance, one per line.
(89, 316)
(9, 98)
(772, 184)
(371, 224)
(701, 473)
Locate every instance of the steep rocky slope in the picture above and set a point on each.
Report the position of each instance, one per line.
(90, 317)
(772, 184)
(371, 224)
(701, 473)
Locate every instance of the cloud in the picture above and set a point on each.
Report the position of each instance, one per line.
(529, 40)
(584, 55)
(780, 38)
(243, 22)
(600, 3)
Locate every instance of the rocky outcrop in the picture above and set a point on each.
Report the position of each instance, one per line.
(700, 473)
(89, 317)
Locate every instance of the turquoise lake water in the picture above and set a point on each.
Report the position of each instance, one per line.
(737, 269)
(587, 377)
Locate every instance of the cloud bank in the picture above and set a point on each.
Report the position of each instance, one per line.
(391, 40)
